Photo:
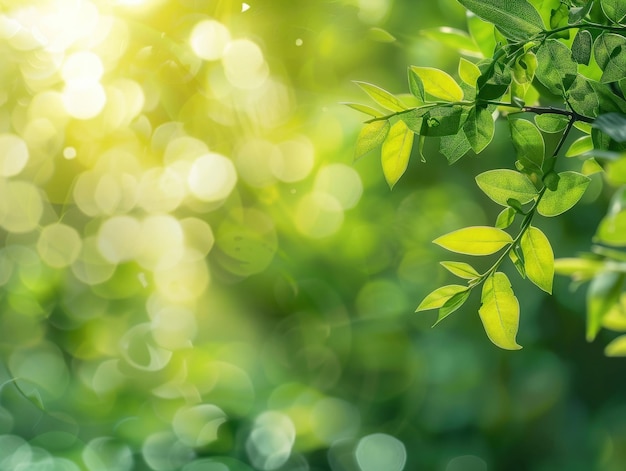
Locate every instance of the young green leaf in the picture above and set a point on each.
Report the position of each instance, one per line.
(371, 136)
(538, 258)
(612, 230)
(502, 184)
(452, 304)
(617, 347)
(613, 124)
(461, 269)
(454, 38)
(438, 83)
(482, 32)
(528, 143)
(396, 152)
(499, 312)
(468, 72)
(479, 128)
(416, 86)
(365, 109)
(615, 10)
(604, 291)
(570, 189)
(505, 218)
(556, 66)
(580, 269)
(579, 146)
(551, 123)
(382, 97)
(438, 297)
(518, 261)
(515, 19)
(475, 240)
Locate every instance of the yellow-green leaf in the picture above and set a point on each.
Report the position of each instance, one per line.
(371, 136)
(456, 301)
(438, 83)
(603, 293)
(538, 258)
(617, 347)
(382, 97)
(396, 152)
(364, 109)
(499, 312)
(461, 269)
(468, 72)
(475, 240)
(438, 297)
(501, 185)
(579, 146)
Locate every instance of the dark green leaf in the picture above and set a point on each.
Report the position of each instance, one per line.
(605, 45)
(501, 185)
(615, 10)
(556, 68)
(583, 98)
(454, 146)
(416, 87)
(581, 47)
(578, 13)
(479, 128)
(444, 120)
(516, 19)
(396, 152)
(608, 100)
(613, 124)
(571, 187)
(371, 136)
(604, 291)
(615, 69)
(494, 80)
(505, 218)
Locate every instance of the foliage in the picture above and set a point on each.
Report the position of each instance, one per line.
(549, 68)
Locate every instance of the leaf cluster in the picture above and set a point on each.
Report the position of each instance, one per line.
(518, 55)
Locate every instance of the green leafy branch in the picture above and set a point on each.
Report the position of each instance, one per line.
(522, 61)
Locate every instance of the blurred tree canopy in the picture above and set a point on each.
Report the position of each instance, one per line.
(195, 275)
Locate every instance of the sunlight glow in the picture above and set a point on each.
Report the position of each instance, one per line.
(208, 39)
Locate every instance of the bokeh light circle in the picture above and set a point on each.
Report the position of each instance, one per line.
(380, 451)
(13, 154)
(208, 39)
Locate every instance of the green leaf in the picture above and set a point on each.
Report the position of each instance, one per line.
(505, 218)
(617, 347)
(416, 86)
(551, 123)
(580, 269)
(613, 124)
(578, 13)
(556, 68)
(518, 262)
(591, 167)
(475, 240)
(604, 291)
(583, 98)
(571, 187)
(615, 69)
(494, 80)
(396, 152)
(371, 136)
(454, 38)
(454, 146)
(482, 32)
(479, 128)
(452, 304)
(382, 97)
(499, 312)
(538, 258)
(365, 109)
(500, 185)
(438, 297)
(468, 72)
(604, 46)
(615, 10)
(581, 47)
(380, 35)
(579, 146)
(438, 83)
(612, 230)
(461, 269)
(515, 19)
(444, 120)
(528, 143)
(525, 67)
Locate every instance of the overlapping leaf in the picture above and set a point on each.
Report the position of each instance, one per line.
(396, 151)
(371, 136)
(499, 312)
(538, 258)
(501, 185)
(438, 83)
(516, 19)
(570, 189)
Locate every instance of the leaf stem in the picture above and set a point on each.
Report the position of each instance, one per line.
(585, 25)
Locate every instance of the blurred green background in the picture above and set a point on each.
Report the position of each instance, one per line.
(195, 275)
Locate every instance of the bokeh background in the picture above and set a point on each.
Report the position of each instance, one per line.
(196, 276)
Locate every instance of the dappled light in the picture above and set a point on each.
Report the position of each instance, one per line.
(196, 274)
